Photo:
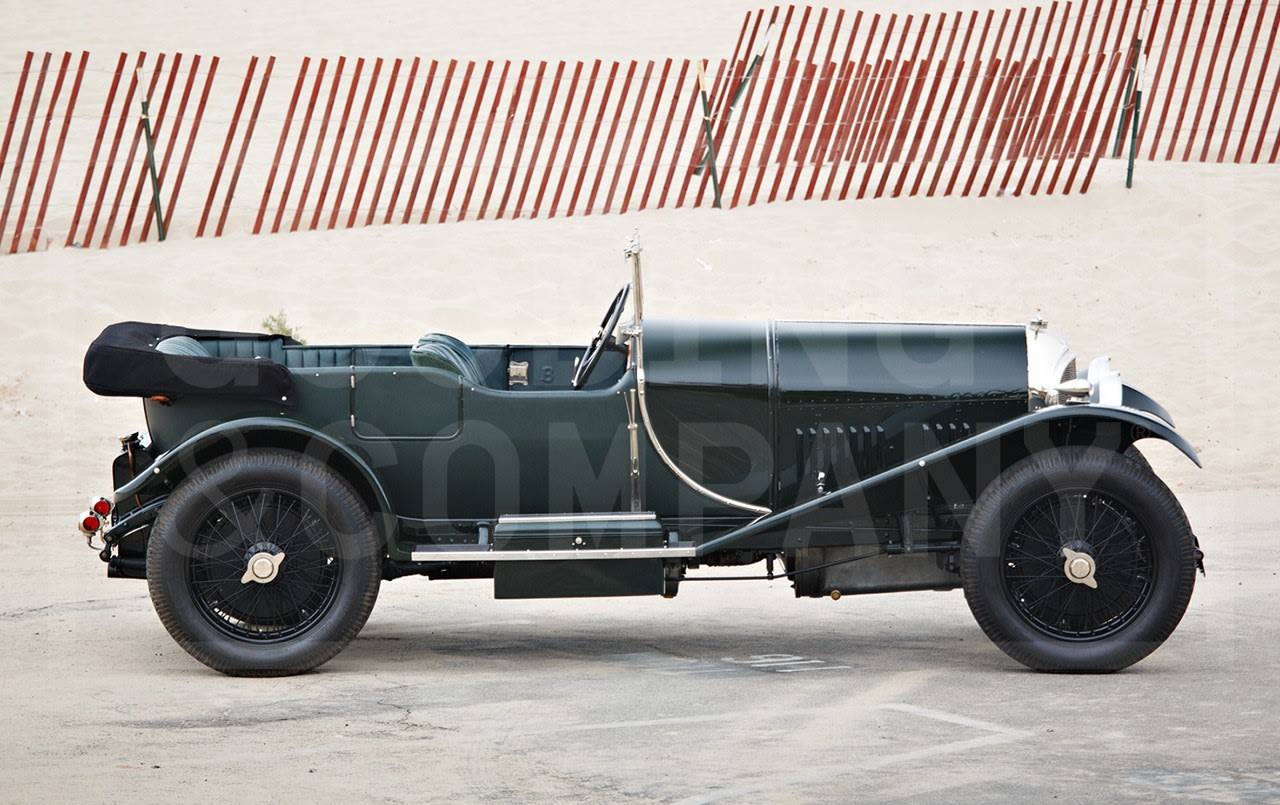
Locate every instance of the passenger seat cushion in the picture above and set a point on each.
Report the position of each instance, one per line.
(439, 351)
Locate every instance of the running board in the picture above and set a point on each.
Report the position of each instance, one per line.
(565, 537)
(436, 553)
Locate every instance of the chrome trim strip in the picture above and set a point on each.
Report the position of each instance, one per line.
(552, 556)
(575, 518)
(636, 335)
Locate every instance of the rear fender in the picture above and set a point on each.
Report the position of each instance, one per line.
(170, 467)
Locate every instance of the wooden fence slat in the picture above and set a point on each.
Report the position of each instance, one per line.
(865, 114)
(984, 92)
(1180, 51)
(1079, 113)
(748, 154)
(666, 129)
(989, 79)
(1226, 79)
(644, 137)
(579, 120)
(391, 144)
(537, 143)
(284, 138)
(810, 132)
(508, 121)
(1155, 86)
(1261, 79)
(355, 143)
(613, 131)
(1005, 146)
(157, 130)
(975, 68)
(1208, 77)
(723, 112)
(244, 145)
(167, 146)
(530, 110)
(352, 90)
(16, 173)
(1095, 139)
(840, 94)
(300, 147)
(97, 142)
(431, 135)
(37, 161)
(1262, 75)
(319, 146)
(903, 109)
(1196, 52)
(115, 148)
(408, 146)
(555, 142)
(1029, 111)
(448, 140)
(226, 147)
(1266, 124)
(17, 106)
(191, 140)
(1036, 131)
(1056, 121)
(126, 167)
(953, 83)
(790, 68)
(1244, 80)
(931, 73)
(625, 149)
(993, 123)
(689, 116)
(591, 141)
(37, 229)
(373, 144)
(484, 137)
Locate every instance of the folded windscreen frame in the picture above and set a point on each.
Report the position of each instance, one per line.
(128, 360)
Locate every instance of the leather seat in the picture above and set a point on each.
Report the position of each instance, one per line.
(446, 352)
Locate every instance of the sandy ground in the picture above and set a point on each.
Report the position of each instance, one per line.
(451, 695)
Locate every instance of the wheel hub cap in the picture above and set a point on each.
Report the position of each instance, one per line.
(1079, 567)
(263, 567)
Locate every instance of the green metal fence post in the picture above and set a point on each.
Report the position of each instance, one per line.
(151, 165)
(1128, 96)
(706, 121)
(1133, 139)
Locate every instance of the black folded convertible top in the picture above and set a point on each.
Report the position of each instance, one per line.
(123, 362)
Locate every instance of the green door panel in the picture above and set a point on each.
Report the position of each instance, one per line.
(406, 403)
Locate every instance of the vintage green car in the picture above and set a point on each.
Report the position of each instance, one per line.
(282, 483)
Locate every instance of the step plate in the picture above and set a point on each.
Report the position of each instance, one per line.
(434, 554)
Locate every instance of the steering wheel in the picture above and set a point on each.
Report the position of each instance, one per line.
(603, 339)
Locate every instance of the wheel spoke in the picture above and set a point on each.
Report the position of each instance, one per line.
(1089, 523)
(247, 525)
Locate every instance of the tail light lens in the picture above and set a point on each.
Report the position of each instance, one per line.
(101, 507)
(90, 523)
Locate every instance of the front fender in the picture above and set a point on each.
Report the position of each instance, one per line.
(247, 430)
(1069, 424)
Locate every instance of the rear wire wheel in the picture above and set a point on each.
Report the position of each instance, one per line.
(1078, 559)
(264, 563)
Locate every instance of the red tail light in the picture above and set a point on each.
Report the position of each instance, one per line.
(90, 523)
(102, 507)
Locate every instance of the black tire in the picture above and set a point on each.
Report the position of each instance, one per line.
(241, 506)
(1135, 455)
(1095, 502)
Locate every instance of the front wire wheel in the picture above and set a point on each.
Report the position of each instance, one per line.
(1078, 559)
(264, 563)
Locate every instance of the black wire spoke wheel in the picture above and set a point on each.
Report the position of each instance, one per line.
(1077, 559)
(264, 563)
(1098, 527)
(244, 528)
